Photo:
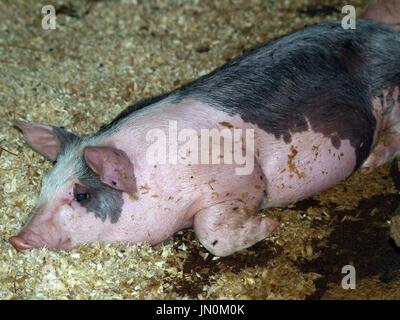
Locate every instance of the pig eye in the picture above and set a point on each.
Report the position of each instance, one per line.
(82, 197)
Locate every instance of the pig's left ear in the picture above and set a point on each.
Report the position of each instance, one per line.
(113, 167)
(49, 141)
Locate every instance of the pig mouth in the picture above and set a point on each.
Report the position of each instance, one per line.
(64, 244)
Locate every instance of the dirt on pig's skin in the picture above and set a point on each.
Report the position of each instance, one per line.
(80, 83)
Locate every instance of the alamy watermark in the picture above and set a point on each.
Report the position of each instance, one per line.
(205, 146)
(349, 280)
(349, 20)
(49, 20)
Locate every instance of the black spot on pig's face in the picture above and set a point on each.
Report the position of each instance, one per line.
(101, 199)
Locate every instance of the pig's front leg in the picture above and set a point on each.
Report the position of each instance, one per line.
(230, 226)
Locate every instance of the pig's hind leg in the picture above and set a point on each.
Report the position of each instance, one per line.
(387, 132)
(230, 226)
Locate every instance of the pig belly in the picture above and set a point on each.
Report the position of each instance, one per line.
(307, 165)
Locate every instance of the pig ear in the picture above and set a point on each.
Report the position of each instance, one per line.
(113, 167)
(49, 141)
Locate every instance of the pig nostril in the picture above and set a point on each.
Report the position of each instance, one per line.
(19, 243)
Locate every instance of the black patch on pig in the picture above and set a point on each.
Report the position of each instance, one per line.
(309, 76)
(335, 140)
(103, 201)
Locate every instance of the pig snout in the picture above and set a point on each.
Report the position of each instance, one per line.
(38, 233)
(27, 240)
(19, 243)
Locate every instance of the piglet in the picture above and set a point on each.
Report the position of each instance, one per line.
(289, 118)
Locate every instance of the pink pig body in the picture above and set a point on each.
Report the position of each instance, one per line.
(168, 197)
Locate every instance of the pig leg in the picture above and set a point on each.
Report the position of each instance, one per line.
(230, 226)
(387, 133)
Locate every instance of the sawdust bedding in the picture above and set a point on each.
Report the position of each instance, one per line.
(106, 54)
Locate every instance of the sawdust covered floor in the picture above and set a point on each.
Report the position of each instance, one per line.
(105, 55)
